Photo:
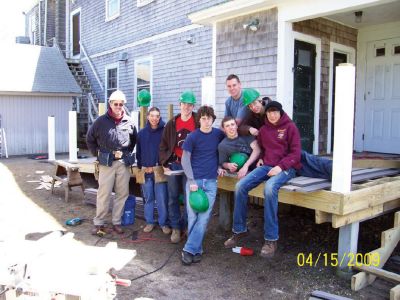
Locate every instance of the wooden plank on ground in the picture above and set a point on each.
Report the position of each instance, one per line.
(389, 276)
(395, 293)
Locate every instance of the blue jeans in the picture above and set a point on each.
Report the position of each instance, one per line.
(272, 186)
(315, 166)
(198, 221)
(175, 184)
(155, 193)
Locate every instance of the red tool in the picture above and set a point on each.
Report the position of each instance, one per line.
(243, 251)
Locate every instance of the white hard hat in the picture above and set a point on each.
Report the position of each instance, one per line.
(118, 95)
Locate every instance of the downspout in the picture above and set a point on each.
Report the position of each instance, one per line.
(45, 23)
(67, 8)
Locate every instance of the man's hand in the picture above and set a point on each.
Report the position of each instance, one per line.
(260, 163)
(242, 172)
(274, 171)
(232, 167)
(193, 187)
(253, 131)
(221, 172)
(117, 154)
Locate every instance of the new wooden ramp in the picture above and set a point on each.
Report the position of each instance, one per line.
(373, 268)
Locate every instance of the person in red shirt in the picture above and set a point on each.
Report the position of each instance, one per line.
(280, 144)
(170, 154)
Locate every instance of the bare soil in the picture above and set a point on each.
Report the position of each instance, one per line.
(27, 213)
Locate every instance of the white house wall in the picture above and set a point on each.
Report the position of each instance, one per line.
(24, 119)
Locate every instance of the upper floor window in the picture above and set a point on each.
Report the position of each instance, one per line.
(143, 74)
(112, 9)
(140, 3)
(111, 80)
(32, 28)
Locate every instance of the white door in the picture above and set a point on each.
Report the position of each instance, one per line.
(382, 97)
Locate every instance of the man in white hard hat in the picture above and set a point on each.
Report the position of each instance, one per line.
(112, 138)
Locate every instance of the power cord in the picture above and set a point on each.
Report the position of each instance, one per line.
(159, 268)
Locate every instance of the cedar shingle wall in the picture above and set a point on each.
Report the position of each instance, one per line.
(328, 31)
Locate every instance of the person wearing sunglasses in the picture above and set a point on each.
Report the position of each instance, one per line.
(112, 138)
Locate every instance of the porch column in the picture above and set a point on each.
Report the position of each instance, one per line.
(343, 154)
(72, 132)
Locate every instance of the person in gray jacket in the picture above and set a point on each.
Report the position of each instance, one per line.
(112, 138)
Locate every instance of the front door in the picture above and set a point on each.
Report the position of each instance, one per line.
(382, 97)
(304, 92)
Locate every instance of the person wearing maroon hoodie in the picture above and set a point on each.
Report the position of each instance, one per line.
(280, 144)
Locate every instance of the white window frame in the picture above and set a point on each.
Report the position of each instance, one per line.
(71, 34)
(138, 61)
(109, 67)
(32, 28)
(116, 15)
(140, 3)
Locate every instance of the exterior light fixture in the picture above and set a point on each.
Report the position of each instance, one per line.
(123, 56)
(358, 15)
(253, 25)
(190, 39)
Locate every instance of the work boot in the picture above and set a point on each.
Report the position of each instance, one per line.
(117, 229)
(235, 239)
(196, 258)
(187, 258)
(175, 236)
(166, 229)
(99, 230)
(269, 249)
(148, 228)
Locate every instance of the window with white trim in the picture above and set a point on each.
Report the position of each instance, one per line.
(32, 28)
(143, 74)
(111, 80)
(140, 3)
(112, 9)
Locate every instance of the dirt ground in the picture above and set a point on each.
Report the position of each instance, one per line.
(26, 212)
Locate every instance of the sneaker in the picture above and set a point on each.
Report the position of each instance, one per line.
(175, 236)
(269, 249)
(148, 228)
(187, 258)
(166, 229)
(99, 230)
(235, 239)
(197, 258)
(117, 229)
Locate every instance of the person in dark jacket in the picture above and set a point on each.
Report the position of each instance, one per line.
(280, 144)
(174, 135)
(154, 187)
(112, 138)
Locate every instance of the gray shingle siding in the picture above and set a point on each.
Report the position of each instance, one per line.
(177, 65)
(250, 55)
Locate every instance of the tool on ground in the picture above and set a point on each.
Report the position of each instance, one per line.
(243, 251)
(74, 221)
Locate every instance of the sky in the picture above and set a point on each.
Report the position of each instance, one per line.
(12, 21)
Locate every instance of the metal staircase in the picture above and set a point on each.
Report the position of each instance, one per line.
(86, 105)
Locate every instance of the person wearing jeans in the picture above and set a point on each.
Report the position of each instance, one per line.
(150, 174)
(200, 163)
(280, 144)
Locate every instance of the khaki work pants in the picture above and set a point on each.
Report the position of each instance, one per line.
(117, 176)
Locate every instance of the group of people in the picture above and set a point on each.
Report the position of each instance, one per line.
(189, 143)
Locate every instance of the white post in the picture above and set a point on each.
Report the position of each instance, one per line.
(51, 138)
(208, 91)
(73, 149)
(343, 154)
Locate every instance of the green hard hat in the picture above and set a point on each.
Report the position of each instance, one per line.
(144, 98)
(187, 97)
(250, 95)
(239, 159)
(198, 201)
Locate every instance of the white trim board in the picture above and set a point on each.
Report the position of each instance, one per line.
(289, 85)
(71, 29)
(138, 60)
(351, 56)
(147, 40)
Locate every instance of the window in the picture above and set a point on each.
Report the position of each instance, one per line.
(143, 74)
(140, 3)
(32, 28)
(111, 80)
(112, 9)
